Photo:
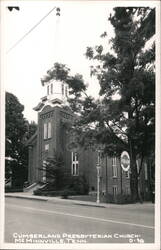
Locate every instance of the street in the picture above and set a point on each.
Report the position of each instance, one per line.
(31, 221)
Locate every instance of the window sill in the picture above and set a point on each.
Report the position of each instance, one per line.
(48, 139)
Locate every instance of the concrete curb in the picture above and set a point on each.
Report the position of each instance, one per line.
(76, 202)
(72, 202)
(54, 199)
(26, 197)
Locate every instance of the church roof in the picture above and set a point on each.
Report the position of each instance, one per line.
(57, 100)
(39, 106)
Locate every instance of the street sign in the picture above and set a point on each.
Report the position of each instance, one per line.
(125, 161)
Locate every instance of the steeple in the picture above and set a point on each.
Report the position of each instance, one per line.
(55, 92)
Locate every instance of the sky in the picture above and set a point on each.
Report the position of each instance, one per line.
(80, 25)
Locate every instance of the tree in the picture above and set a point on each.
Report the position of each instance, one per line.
(32, 128)
(55, 171)
(58, 177)
(16, 129)
(128, 122)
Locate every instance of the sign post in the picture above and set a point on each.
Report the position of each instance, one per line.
(98, 182)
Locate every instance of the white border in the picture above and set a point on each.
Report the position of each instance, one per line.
(156, 245)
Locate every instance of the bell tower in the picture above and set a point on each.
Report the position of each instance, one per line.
(56, 92)
(53, 112)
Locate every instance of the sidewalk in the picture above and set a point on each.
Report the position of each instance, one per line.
(30, 196)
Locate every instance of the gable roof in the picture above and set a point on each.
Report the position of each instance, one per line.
(39, 106)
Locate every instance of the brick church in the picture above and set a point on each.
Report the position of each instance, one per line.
(51, 136)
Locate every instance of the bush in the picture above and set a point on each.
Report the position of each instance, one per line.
(12, 190)
(119, 199)
(67, 192)
(79, 185)
(63, 193)
(74, 185)
(47, 187)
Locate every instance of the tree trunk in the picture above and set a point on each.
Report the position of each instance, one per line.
(151, 181)
(134, 179)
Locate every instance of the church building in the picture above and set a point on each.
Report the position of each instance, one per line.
(51, 136)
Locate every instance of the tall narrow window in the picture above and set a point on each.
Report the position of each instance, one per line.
(49, 129)
(62, 86)
(75, 164)
(114, 191)
(99, 158)
(66, 91)
(127, 190)
(137, 164)
(146, 171)
(48, 90)
(45, 130)
(51, 88)
(114, 167)
(44, 172)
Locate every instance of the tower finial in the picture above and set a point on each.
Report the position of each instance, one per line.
(57, 11)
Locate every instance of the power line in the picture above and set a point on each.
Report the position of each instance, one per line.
(58, 10)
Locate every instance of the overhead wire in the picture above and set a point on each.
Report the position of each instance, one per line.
(30, 30)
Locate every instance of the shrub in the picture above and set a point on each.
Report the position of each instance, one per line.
(119, 199)
(63, 193)
(12, 190)
(67, 192)
(73, 185)
(79, 185)
(123, 199)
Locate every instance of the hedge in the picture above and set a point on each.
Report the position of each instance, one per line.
(63, 193)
